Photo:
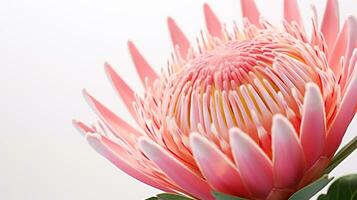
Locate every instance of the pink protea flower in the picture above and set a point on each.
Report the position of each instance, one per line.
(256, 112)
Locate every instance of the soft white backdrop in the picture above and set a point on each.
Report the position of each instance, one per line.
(50, 50)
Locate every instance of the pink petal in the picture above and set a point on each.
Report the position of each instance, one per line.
(345, 44)
(121, 164)
(174, 169)
(142, 67)
(250, 11)
(313, 125)
(330, 23)
(124, 91)
(178, 37)
(288, 157)
(97, 142)
(119, 127)
(254, 166)
(292, 13)
(218, 170)
(343, 117)
(81, 127)
(212, 22)
(150, 175)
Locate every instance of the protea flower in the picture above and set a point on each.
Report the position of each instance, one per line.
(255, 112)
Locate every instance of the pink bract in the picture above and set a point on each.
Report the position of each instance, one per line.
(256, 112)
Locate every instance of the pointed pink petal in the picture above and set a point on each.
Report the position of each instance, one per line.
(250, 11)
(346, 42)
(343, 117)
(98, 144)
(288, 156)
(116, 155)
(141, 65)
(212, 22)
(119, 127)
(179, 173)
(124, 91)
(178, 37)
(254, 166)
(331, 23)
(292, 13)
(313, 125)
(218, 170)
(81, 127)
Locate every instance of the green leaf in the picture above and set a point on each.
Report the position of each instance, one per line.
(221, 196)
(310, 190)
(342, 154)
(168, 196)
(354, 196)
(343, 188)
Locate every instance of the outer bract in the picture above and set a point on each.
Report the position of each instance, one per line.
(255, 112)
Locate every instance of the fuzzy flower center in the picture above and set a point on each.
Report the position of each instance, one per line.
(243, 84)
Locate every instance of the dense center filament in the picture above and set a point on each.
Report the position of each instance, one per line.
(242, 84)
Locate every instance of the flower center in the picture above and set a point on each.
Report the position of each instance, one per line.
(228, 65)
(224, 85)
(243, 84)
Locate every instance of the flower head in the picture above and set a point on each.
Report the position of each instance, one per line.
(255, 112)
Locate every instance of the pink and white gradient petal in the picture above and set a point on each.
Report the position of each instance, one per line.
(255, 167)
(179, 173)
(288, 156)
(217, 169)
(313, 125)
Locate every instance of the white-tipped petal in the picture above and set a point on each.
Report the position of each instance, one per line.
(179, 173)
(255, 167)
(288, 157)
(218, 170)
(105, 147)
(313, 124)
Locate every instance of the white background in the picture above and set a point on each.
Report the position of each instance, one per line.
(50, 50)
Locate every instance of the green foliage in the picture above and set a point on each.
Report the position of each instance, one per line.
(221, 196)
(168, 196)
(310, 190)
(344, 188)
(342, 154)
